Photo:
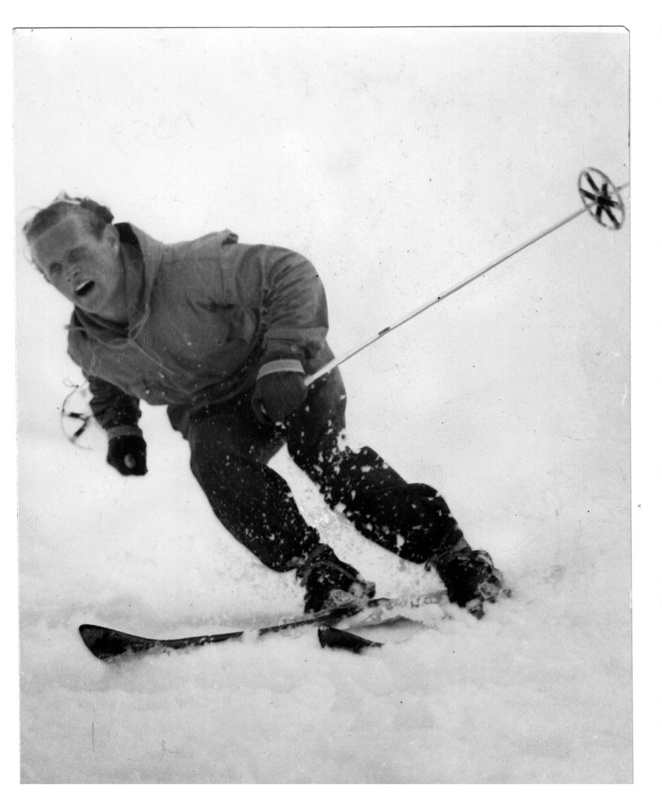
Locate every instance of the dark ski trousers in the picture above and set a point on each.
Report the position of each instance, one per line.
(230, 451)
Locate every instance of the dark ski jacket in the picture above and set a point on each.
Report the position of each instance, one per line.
(204, 316)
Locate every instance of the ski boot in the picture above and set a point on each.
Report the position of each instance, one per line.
(470, 577)
(331, 583)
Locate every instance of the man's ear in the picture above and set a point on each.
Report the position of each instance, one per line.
(111, 235)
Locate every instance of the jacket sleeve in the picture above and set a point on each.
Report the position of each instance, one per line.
(295, 310)
(117, 412)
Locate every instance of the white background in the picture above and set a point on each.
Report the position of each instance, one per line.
(398, 161)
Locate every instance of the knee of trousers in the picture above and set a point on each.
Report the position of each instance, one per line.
(255, 506)
(207, 461)
(231, 482)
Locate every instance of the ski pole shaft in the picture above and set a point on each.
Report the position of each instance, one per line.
(447, 293)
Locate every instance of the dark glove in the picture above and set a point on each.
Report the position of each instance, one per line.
(128, 454)
(280, 390)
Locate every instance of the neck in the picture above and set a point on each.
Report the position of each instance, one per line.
(120, 317)
(114, 321)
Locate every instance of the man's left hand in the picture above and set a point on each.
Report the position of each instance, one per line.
(278, 394)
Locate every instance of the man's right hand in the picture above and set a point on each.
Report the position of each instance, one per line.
(128, 454)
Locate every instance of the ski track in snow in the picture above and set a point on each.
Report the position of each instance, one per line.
(511, 399)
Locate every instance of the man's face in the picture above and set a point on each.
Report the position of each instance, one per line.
(86, 270)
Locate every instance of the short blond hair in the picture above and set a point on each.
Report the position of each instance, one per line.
(93, 214)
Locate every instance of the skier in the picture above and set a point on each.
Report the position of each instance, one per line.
(224, 334)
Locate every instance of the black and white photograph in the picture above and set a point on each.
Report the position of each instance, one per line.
(324, 404)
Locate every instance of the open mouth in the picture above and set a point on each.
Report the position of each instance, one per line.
(84, 288)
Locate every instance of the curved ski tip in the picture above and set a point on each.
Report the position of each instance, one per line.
(95, 639)
(343, 640)
(90, 633)
(105, 643)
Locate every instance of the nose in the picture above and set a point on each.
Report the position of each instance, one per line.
(71, 275)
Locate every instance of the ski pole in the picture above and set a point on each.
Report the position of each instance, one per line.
(598, 201)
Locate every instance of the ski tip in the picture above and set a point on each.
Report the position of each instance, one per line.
(106, 644)
(343, 640)
(98, 642)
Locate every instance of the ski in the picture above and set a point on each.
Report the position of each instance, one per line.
(109, 644)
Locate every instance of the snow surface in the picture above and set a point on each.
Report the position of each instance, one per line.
(399, 161)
